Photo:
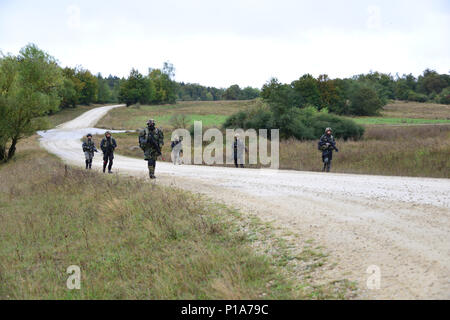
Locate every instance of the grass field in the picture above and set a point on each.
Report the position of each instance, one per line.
(415, 144)
(213, 113)
(134, 240)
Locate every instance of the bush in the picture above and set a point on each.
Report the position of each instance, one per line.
(302, 124)
(342, 128)
(444, 96)
(418, 97)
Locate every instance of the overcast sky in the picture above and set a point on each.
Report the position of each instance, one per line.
(220, 43)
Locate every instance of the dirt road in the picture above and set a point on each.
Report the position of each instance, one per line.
(399, 224)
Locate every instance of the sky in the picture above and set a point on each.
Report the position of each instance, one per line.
(244, 42)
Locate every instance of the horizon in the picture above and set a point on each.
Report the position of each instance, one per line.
(239, 42)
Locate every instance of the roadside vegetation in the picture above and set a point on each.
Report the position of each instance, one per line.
(133, 240)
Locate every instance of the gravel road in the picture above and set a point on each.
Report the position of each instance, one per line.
(399, 224)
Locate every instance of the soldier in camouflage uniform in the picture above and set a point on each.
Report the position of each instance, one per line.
(151, 139)
(89, 149)
(108, 145)
(327, 144)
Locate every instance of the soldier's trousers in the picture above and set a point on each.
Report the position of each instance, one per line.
(89, 156)
(326, 158)
(108, 157)
(151, 167)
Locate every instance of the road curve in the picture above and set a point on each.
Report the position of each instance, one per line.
(399, 224)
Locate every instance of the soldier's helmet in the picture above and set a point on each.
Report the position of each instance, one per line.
(107, 132)
(328, 129)
(89, 135)
(150, 122)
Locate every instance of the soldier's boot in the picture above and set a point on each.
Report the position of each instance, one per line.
(110, 166)
(90, 164)
(87, 164)
(329, 166)
(151, 172)
(104, 166)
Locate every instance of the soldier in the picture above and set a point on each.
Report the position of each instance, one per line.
(177, 148)
(238, 151)
(108, 145)
(89, 149)
(327, 144)
(150, 140)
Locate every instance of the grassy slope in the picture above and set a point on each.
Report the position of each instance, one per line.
(212, 113)
(132, 240)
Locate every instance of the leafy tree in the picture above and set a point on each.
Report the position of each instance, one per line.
(104, 91)
(89, 87)
(68, 94)
(430, 82)
(29, 88)
(306, 91)
(249, 93)
(364, 101)
(232, 93)
(327, 92)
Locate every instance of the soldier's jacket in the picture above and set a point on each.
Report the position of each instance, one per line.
(108, 145)
(324, 139)
(145, 142)
(89, 146)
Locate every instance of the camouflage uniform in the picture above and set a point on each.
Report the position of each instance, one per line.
(108, 145)
(147, 139)
(327, 144)
(89, 149)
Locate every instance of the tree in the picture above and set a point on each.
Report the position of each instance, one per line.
(68, 94)
(104, 92)
(29, 88)
(89, 88)
(306, 91)
(135, 89)
(364, 101)
(232, 93)
(431, 81)
(165, 89)
(327, 92)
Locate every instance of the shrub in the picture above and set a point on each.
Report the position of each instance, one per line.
(419, 97)
(302, 124)
(444, 96)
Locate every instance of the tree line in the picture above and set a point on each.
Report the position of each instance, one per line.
(32, 85)
(363, 94)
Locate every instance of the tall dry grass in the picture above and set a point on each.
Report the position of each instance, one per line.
(421, 151)
(132, 240)
(404, 151)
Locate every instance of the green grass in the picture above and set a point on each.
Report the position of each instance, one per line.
(212, 113)
(164, 120)
(394, 121)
